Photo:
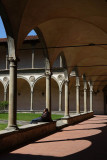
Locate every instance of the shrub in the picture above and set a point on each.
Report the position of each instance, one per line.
(4, 105)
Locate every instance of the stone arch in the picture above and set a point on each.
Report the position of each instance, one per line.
(61, 54)
(40, 96)
(39, 93)
(54, 95)
(56, 81)
(23, 94)
(72, 89)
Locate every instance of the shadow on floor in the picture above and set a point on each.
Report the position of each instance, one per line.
(97, 151)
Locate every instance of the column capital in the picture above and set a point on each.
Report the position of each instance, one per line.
(48, 73)
(77, 82)
(11, 59)
(60, 91)
(66, 81)
(91, 88)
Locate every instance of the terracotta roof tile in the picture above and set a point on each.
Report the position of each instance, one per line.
(26, 39)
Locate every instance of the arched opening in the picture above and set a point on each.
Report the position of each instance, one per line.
(57, 62)
(23, 94)
(39, 97)
(1, 92)
(31, 54)
(72, 95)
(54, 95)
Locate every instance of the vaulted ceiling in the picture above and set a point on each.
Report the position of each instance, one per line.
(65, 23)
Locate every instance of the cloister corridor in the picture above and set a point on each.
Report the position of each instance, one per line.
(84, 141)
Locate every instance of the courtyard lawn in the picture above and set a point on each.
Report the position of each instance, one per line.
(27, 116)
(3, 126)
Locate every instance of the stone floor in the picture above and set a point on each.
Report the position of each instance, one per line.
(84, 141)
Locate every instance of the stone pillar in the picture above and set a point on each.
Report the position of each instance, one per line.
(6, 62)
(61, 64)
(91, 98)
(85, 97)
(33, 59)
(5, 95)
(12, 95)
(48, 90)
(77, 96)
(66, 98)
(60, 100)
(31, 107)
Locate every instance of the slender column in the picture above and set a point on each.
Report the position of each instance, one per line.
(31, 107)
(12, 95)
(5, 95)
(91, 98)
(66, 98)
(61, 64)
(85, 97)
(6, 62)
(60, 100)
(33, 59)
(48, 90)
(77, 96)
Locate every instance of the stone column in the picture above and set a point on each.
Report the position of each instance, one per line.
(6, 62)
(33, 59)
(66, 98)
(5, 95)
(48, 90)
(61, 64)
(85, 97)
(12, 95)
(91, 98)
(77, 96)
(31, 107)
(60, 100)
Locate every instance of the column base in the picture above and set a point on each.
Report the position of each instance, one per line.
(14, 127)
(78, 113)
(66, 116)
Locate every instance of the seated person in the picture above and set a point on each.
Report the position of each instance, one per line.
(45, 117)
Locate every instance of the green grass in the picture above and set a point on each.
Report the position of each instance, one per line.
(27, 116)
(3, 126)
(24, 117)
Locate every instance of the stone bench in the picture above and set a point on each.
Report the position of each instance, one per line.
(77, 118)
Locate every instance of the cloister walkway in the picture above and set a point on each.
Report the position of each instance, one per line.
(84, 141)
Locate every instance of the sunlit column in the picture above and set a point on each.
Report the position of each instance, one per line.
(31, 107)
(91, 98)
(85, 97)
(66, 98)
(60, 100)
(48, 90)
(77, 96)
(5, 95)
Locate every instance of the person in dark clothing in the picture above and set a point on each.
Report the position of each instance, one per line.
(45, 117)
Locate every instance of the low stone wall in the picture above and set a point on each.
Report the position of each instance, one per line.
(26, 133)
(77, 118)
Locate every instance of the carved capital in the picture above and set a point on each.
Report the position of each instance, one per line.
(48, 73)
